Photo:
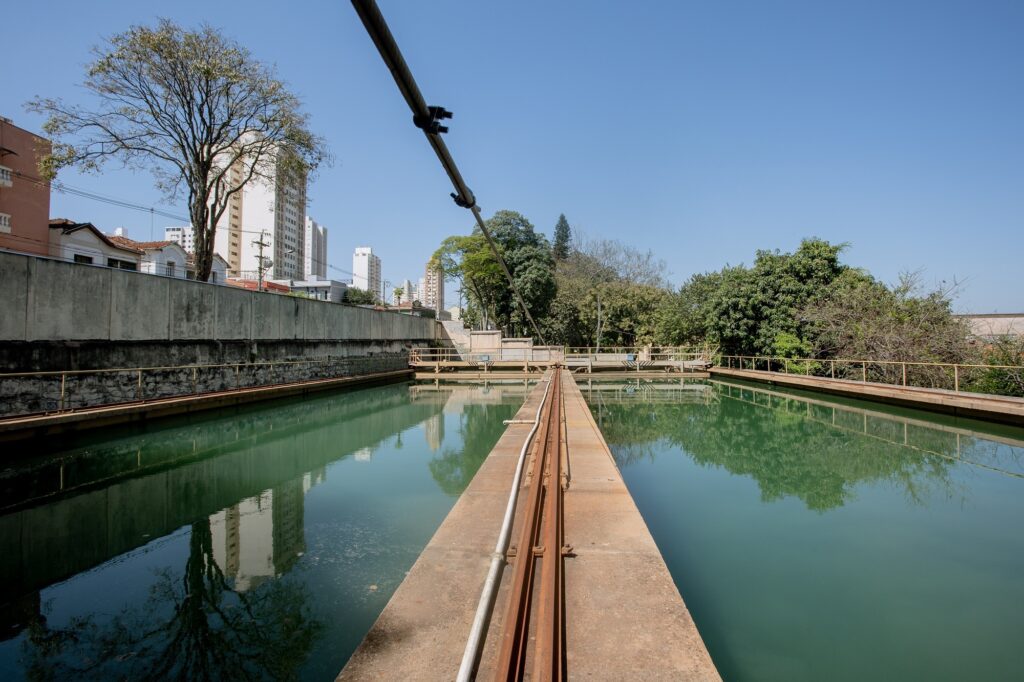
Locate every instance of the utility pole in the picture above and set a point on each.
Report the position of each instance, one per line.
(260, 244)
(598, 319)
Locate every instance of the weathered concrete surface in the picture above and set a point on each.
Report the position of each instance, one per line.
(992, 408)
(49, 300)
(625, 618)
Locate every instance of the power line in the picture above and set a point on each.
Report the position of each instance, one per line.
(122, 203)
(428, 119)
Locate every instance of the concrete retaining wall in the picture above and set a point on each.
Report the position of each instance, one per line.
(57, 316)
(49, 300)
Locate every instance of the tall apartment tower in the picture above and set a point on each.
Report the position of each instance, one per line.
(315, 257)
(273, 212)
(366, 271)
(433, 294)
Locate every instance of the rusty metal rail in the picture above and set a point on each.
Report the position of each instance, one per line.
(541, 541)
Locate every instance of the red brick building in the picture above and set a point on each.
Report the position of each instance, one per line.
(24, 197)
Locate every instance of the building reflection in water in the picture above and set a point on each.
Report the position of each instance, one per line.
(434, 430)
(262, 537)
(222, 514)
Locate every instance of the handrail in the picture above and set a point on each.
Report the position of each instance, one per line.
(776, 358)
(864, 364)
(324, 359)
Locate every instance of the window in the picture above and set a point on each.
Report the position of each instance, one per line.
(79, 258)
(120, 264)
(6, 177)
(170, 268)
(213, 276)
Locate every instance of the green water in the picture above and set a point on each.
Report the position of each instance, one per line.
(250, 544)
(820, 539)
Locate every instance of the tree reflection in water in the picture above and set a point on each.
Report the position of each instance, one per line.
(480, 426)
(193, 627)
(779, 444)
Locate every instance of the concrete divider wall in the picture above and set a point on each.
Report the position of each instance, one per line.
(49, 300)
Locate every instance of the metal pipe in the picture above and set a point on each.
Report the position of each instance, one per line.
(381, 35)
(474, 644)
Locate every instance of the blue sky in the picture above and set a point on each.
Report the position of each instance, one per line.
(701, 130)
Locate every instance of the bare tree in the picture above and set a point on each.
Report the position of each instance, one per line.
(620, 261)
(195, 109)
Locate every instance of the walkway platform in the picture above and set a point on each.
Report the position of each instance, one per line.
(991, 408)
(624, 616)
(582, 378)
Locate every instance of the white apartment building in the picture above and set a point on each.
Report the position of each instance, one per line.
(315, 254)
(184, 236)
(271, 212)
(408, 293)
(366, 271)
(433, 291)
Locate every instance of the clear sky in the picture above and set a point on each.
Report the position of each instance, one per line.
(701, 130)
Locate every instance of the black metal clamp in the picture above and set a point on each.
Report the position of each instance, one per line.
(431, 123)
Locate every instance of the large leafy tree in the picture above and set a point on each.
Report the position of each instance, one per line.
(193, 107)
(528, 256)
(357, 296)
(756, 310)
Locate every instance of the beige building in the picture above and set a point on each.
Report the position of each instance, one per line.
(273, 213)
(995, 325)
(433, 289)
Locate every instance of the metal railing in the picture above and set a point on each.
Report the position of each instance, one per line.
(637, 353)
(940, 375)
(485, 357)
(607, 356)
(54, 392)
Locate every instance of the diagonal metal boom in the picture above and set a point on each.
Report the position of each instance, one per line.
(427, 119)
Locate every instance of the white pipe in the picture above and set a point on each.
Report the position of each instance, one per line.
(483, 609)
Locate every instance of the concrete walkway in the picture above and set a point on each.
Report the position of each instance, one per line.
(625, 618)
(993, 408)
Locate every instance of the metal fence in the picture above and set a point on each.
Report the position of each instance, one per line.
(483, 357)
(567, 354)
(956, 377)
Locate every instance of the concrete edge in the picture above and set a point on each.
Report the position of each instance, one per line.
(998, 409)
(20, 428)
